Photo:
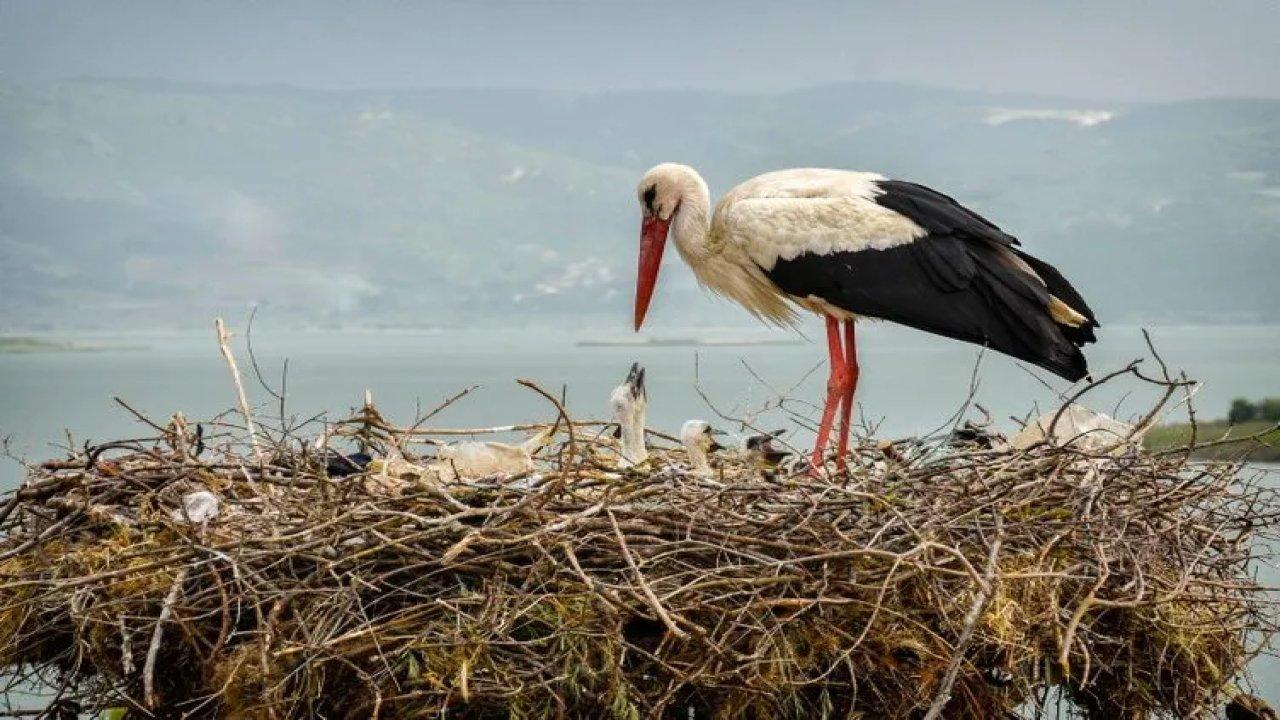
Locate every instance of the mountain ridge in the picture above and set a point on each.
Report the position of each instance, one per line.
(144, 203)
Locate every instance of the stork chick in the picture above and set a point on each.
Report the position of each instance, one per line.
(628, 402)
(761, 450)
(699, 440)
(482, 459)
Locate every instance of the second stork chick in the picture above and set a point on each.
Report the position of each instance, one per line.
(699, 441)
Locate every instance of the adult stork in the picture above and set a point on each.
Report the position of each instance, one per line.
(848, 244)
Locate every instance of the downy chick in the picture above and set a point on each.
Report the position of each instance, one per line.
(762, 452)
(699, 440)
(628, 402)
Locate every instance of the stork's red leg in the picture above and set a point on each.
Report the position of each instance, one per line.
(835, 359)
(849, 384)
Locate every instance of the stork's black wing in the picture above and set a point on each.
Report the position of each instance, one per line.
(965, 279)
(938, 213)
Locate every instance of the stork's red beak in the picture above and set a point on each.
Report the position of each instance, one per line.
(653, 239)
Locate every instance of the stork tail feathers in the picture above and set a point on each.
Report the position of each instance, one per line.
(1064, 314)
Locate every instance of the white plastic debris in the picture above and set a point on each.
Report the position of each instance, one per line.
(1077, 426)
(198, 507)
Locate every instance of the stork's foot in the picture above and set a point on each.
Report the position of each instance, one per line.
(818, 461)
(817, 464)
(816, 467)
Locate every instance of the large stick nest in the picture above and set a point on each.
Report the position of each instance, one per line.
(970, 578)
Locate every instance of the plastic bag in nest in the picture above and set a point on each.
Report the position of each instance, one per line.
(1079, 427)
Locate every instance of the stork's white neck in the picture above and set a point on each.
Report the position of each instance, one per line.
(691, 224)
(718, 265)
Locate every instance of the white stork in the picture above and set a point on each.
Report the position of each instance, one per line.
(848, 244)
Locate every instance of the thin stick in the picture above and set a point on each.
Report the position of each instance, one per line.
(985, 590)
(157, 635)
(571, 448)
(225, 347)
(654, 603)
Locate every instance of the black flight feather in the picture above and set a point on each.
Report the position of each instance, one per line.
(938, 213)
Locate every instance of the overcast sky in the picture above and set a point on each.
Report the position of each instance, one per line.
(1099, 49)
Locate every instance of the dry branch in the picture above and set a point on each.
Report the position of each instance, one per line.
(224, 346)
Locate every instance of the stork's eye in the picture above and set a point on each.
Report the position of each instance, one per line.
(649, 194)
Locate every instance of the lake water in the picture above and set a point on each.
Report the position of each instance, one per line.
(911, 382)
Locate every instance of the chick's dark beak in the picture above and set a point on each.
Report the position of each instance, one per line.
(713, 444)
(635, 380)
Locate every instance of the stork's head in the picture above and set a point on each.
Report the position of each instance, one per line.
(664, 192)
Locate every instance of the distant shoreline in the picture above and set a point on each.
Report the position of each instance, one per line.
(1174, 436)
(27, 345)
(23, 345)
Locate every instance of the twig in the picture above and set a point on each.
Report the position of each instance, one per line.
(985, 590)
(654, 603)
(225, 346)
(572, 446)
(157, 635)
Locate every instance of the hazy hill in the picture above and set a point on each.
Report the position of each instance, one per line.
(148, 203)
